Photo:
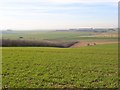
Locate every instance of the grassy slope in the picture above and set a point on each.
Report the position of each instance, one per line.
(94, 66)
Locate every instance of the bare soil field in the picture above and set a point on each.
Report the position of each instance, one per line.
(91, 43)
(106, 35)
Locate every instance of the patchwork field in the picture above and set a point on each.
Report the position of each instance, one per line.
(38, 67)
(61, 35)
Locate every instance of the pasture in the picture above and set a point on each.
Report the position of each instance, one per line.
(43, 67)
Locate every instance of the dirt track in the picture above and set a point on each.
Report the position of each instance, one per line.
(86, 43)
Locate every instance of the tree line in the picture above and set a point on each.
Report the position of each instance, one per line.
(31, 43)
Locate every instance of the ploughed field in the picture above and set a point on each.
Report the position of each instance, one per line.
(38, 67)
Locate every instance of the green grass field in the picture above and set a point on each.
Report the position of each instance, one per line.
(37, 67)
(53, 35)
(41, 35)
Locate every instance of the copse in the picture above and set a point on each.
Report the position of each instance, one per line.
(30, 43)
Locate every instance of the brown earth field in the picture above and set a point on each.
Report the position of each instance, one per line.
(92, 43)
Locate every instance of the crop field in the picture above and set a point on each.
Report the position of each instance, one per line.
(41, 35)
(60, 35)
(43, 67)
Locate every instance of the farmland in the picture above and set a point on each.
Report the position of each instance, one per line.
(43, 67)
(41, 64)
(59, 44)
(61, 35)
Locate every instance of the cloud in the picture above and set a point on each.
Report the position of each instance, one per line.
(84, 1)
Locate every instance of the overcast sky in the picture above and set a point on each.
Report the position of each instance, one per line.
(58, 14)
